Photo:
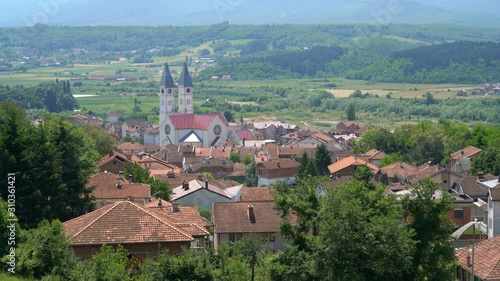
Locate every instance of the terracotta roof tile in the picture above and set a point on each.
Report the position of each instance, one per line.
(466, 152)
(106, 187)
(233, 217)
(113, 156)
(131, 146)
(123, 222)
(272, 150)
(399, 169)
(195, 121)
(470, 187)
(486, 258)
(256, 194)
(290, 150)
(244, 134)
(279, 164)
(350, 161)
(495, 193)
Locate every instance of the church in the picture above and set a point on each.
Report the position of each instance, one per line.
(183, 126)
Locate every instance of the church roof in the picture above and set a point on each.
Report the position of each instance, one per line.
(166, 79)
(185, 79)
(195, 121)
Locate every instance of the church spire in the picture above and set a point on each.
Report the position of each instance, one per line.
(166, 79)
(185, 80)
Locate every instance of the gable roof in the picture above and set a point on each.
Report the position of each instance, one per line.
(279, 164)
(131, 146)
(399, 169)
(374, 154)
(191, 137)
(123, 222)
(195, 121)
(166, 79)
(495, 193)
(486, 258)
(195, 185)
(349, 123)
(244, 134)
(113, 156)
(106, 187)
(470, 187)
(350, 161)
(185, 79)
(466, 152)
(256, 194)
(232, 217)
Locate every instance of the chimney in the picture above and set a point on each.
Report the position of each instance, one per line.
(119, 185)
(111, 153)
(401, 165)
(480, 175)
(159, 203)
(200, 176)
(251, 214)
(206, 184)
(131, 178)
(462, 152)
(175, 206)
(185, 185)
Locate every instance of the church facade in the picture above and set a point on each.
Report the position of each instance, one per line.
(184, 126)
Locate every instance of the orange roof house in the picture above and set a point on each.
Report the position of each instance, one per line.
(113, 162)
(486, 260)
(269, 172)
(398, 170)
(233, 221)
(140, 230)
(109, 188)
(461, 160)
(348, 165)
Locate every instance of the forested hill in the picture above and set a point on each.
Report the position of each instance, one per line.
(458, 62)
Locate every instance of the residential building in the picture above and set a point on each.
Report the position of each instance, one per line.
(461, 160)
(152, 136)
(234, 221)
(239, 136)
(141, 231)
(204, 193)
(114, 162)
(484, 260)
(132, 147)
(399, 171)
(284, 170)
(347, 127)
(348, 165)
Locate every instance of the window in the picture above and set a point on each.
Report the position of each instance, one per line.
(170, 102)
(231, 237)
(188, 102)
(459, 213)
(238, 236)
(272, 237)
(180, 102)
(162, 102)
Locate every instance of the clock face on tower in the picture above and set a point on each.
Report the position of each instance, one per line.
(217, 130)
(188, 90)
(167, 129)
(169, 91)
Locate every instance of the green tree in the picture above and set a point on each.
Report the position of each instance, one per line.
(351, 112)
(102, 141)
(311, 169)
(160, 189)
(303, 162)
(45, 250)
(367, 223)
(250, 248)
(488, 162)
(365, 175)
(426, 212)
(389, 159)
(188, 266)
(322, 159)
(234, 156)
(247, 159)
(109, 264)
(229, 116)
(251, 175)
(229, 265)
(429, 98)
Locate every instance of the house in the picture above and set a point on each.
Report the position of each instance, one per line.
(347, 127)
(233, 221)
(141, 231)
(114, 129)
(319, 138)
(114, 162)
(283, 170)
(155, 165)
(484, 260)
(113, 118)
(136, 127)
(110, 188)
(132, 147)
(461, 93)
(444, 176)
(187, 218)
(239, 136)
(494, 211)
(219, 168)
(290, 152)
(84, 119)
(253, 194)
(398, 171)
(152, 136)
(348, 165)
(272, 130)
(204, 193)
(461, 160)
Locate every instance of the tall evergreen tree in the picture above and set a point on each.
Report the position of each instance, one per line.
(323, 159)
(303, 162)
(351, 112)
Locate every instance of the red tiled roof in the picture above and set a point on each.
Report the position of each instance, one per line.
(495, 193)
(291, 150)
(486, 258)
(106, 187)
(375, 154)
(400, 169)
(279, 164)
(256, 194)
(350, 161)
(272, 151)
(232, 217)
(324, 138)
(131, 146)
(466, 152)
(109, 157)
(195, 121)
(245, 134)
(123, 222)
